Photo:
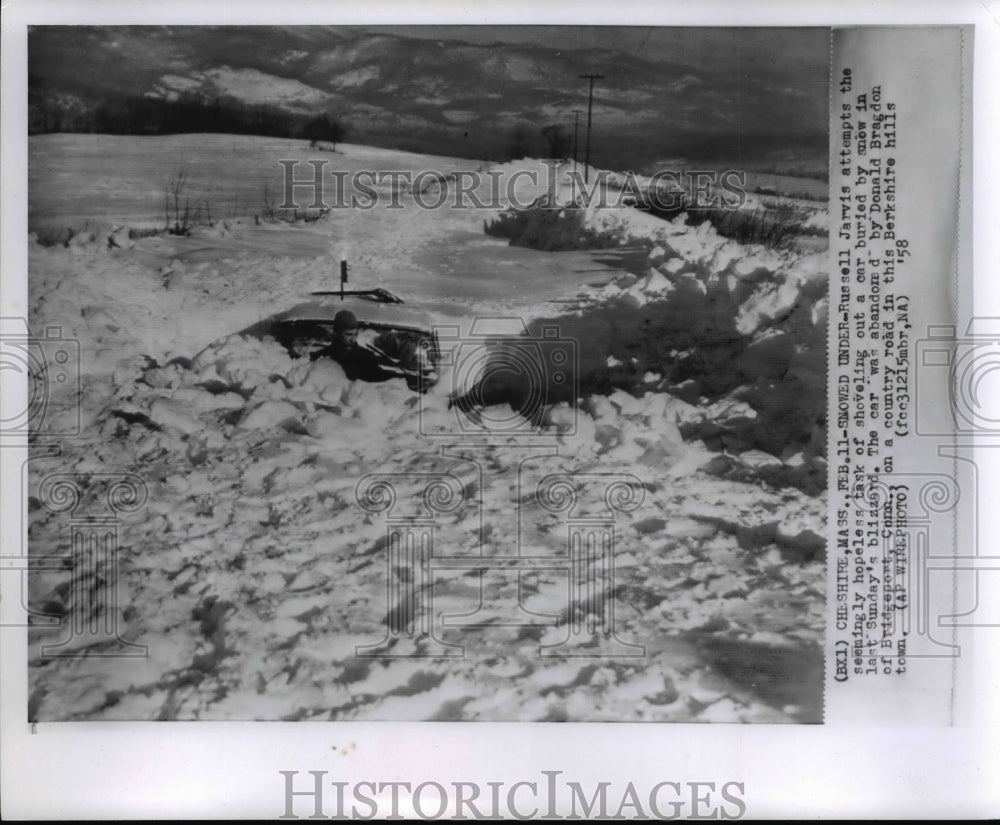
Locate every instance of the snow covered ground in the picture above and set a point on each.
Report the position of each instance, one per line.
(252, 573)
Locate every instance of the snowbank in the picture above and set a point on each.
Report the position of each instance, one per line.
(708, 320)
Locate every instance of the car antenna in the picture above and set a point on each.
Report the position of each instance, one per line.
(343, 277)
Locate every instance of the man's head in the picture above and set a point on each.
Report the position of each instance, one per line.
(345, 328)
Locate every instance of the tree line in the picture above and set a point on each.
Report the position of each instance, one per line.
(139, 115)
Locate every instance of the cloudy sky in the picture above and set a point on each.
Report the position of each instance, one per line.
(800, 54)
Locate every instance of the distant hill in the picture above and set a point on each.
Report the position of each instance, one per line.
(434, 95)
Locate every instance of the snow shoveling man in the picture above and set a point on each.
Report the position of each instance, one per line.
(359, 362)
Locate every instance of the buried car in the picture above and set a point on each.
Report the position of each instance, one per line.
(402, 339)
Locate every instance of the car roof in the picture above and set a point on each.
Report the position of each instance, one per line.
(370, 313)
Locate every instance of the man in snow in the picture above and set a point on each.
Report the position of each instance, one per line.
(359, 363)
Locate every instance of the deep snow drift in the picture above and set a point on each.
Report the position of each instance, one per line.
(738, 331)
(251, 574)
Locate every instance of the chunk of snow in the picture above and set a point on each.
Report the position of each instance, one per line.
(171, 415)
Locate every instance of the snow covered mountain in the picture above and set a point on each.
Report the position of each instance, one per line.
(448, 95)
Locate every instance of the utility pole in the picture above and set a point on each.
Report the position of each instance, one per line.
(576, 130)
(590, 107)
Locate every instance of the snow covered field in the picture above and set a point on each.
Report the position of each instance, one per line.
(251, 573)
(75, 178)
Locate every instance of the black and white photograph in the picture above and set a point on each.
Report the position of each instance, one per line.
(427, 373)
(389, 394)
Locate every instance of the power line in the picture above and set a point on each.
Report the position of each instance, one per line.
(590, 107)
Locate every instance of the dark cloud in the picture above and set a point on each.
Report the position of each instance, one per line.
(798, 54)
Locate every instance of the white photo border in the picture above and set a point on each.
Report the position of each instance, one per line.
(227, 770)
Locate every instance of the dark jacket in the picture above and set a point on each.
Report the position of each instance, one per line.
(359, 363)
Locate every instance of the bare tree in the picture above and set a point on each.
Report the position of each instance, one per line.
(173, 190)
